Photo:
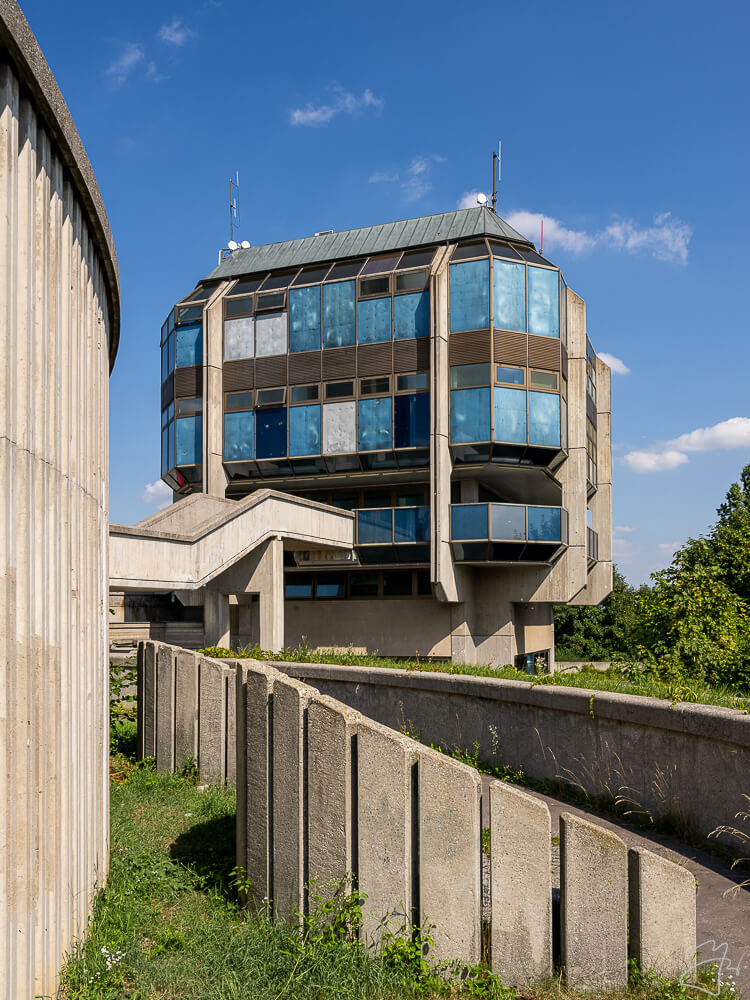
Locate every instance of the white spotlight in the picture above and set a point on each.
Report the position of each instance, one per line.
(231, 245)
(246, 244)
(481, 199)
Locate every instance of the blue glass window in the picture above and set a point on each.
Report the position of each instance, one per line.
(510, 415)
(165, 434)
(508, 522)
(470, 415)
(411, 316)
(375, 526)
(190, 440)
(189, 345)
(238, 436)
(544, 419)
(411, 423)
(171, 462)
(304, 319)
(338, 314)
(373, 320)
(304, 430)
(509, 295)
(270, 433)
(375, 423)
(469, 520)
(411, 524)
(545, 524)
(544, 302)
(470, 295)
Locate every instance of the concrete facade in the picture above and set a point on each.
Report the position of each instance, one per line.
(459, 412)
(59, 329)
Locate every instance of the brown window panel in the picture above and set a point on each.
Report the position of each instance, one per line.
(188, 381)
(564, 360)
(270, 371)
(469, 348)
(510, 348)
(375, 359)
(411, 355)
(167, 391)
(544, 352)
(304, 367)
(339, 362)
(239, 375)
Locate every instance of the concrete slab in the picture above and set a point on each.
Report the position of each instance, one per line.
(186, 708)
(662, 914)
(211, 721)
(165, 708)
(149, 699)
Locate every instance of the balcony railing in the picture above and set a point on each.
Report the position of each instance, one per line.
(506, 532)
(592, 544)
(393, 534)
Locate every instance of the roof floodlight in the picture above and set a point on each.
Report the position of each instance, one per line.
(481, 199)
(233, 246)
(245, 244)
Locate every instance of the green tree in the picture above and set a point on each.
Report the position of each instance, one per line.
(603, 632)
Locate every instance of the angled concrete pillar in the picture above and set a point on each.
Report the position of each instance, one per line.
(271, 570)
(662, 914)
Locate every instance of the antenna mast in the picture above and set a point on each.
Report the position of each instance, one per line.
(495, 175)
(234, 206)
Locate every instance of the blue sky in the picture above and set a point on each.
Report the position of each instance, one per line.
(626, 126)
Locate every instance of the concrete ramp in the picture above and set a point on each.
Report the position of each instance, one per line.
(199, 538)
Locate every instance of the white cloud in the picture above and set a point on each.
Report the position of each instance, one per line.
(616, 364)
(157, 493)
(669, 548)
(414, 180)
(119, 71)
(724, 436)
(175, 33)
(666, 239)
(623, 529)
(342, 102)
(469, 199)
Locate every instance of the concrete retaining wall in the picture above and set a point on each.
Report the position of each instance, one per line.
(323, 792)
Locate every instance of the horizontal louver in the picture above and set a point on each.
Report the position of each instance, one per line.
(544, 352)
(188, 381)
(304, 367)
(339, 362)
(469, 348)
(510, 348)
(270, 371)
(411, 355)
(375, 359)
(239, 375)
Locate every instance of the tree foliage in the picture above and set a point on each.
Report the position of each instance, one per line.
(603, 632)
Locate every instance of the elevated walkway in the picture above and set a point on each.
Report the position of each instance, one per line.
(211, 547)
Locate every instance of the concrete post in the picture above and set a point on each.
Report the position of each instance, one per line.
(165, 708)
(450, 891)
(212, 721)
(149, 700)
(593, 905)
(386, 766)
(216, 619)
(331, 798)
(521, 879)
(662, 914)
(186, 707)
(272, 597)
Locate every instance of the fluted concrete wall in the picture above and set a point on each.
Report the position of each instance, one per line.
(56, 332)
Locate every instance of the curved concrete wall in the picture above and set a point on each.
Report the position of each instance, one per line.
(690, 763)
(59, 302)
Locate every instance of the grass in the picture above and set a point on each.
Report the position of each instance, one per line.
(169, 925)
(623, 678)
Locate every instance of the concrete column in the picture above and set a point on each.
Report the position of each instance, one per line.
(662, 914)
(593, 906)
(272, 597)
(521, 878)
(216, 619)
(165, 707)
(214, 477)
(186, 707)
(212, 734)
(148, 713)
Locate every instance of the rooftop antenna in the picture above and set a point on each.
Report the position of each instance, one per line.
(234, 206)
(495, 175)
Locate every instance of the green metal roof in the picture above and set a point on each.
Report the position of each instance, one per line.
(429, 229)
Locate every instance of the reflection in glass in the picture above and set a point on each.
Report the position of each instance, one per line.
(270, 433)
(189, 440)
(298, 585)
(470, 295)
(304, 430)
(545, 524)
(544, 308)
(270, 334)
(411, 315)
(411, 524)
(374, 527)
(330, 585)
(411, 423)
(338, 314)
(469, 520)
(508, 522)
(470, 415)
(544, 419)
(512, 375)
(189, 345)
(239, 338)
(238, 436)
(509, 289)
(304, 319)
(510, 415)
(375, 423)
(466, 375)
(373, 320)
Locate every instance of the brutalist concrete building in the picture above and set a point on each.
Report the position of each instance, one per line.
(434, 376)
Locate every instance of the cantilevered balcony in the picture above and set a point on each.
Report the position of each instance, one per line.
(507, 532)
(393, 534)
(592, 545)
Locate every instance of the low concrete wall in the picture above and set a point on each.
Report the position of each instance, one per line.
(323, 791)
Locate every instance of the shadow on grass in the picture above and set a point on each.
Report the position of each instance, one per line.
(208, 850)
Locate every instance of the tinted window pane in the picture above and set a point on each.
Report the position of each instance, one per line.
(302, 393)
(372, 386)
(375, 286)
(411, 315)
(416, 258)
(545, 524)
(375, 419)
(513, 375)
(298, 586)
(470, 415)
(467, 375)
(280, 280)
(238, 436)
(171, 446)
(189, 440)
(411, 524)
(330, 585)
(470, 295)
(397, 584)
(170, 349)
(339, 428)
(363, 585)
(335, 390)
(199, 295)
(501, 250)
(413, 279)
(338, 314)
(410, 497)
(543, 380)
(192, 405)
(189, 345)
(247, 286)
(165, 450)
(304, 430)
(376, 265)
(239, 338)
(544, 419)
(424, 588)
(270, 334)
(270, 300)
(269, 397)
(412, 421)
(375, 527)
(270, 433)
(469, 520)
(508, 522)
(310, 275)
(186, 314)
(476, 248)
(418, 380)
(509, 290)
(238, 307)
(164, 361)
(304, 319)
(239, 400)
(544, 308)
(344, 501)
(510, 415)
(346, 269)
(373, 320)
